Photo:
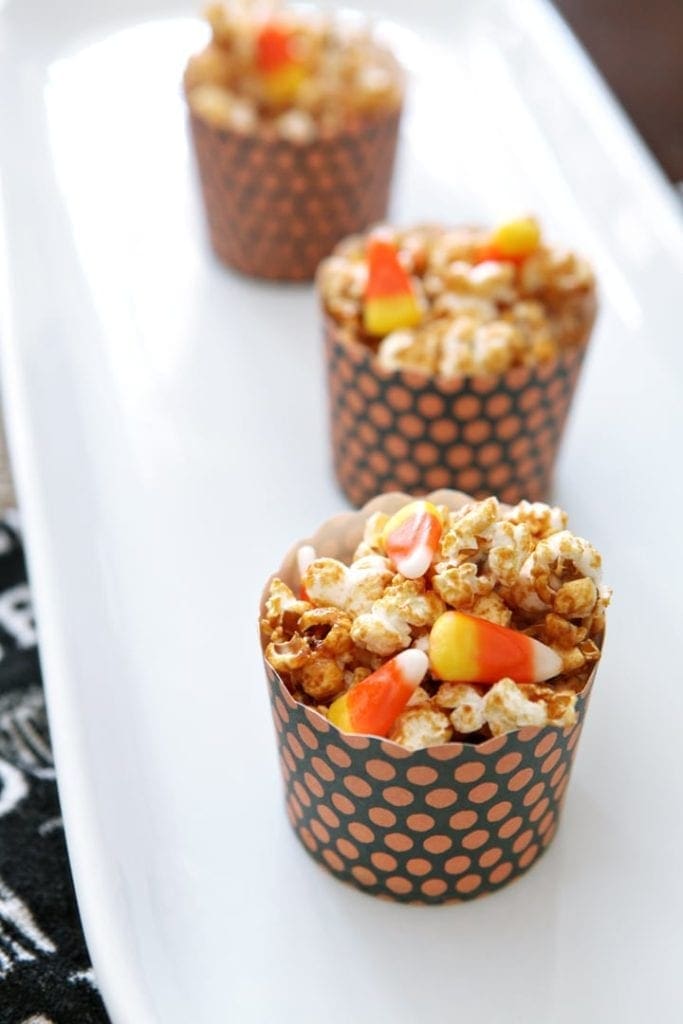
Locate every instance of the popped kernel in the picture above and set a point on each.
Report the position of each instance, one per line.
(328, 630)
(465, 704)
(420, 727)
(476, 309)
(468, 529)
(511, 545)
(221, 108)
(288, 655)
(540, 519)
(492, 607)
(517, 568)
(548, 566)
(353, 588)
(381, 632)
(303, 76)
(322, 679)
(419, 695)
(386, 628)
(460, 585)
(560, 702)
(402, 350)
(506, 708)
(282, 609)
(576, 598)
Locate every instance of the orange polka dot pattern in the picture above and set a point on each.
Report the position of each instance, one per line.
(448, 823)
(276, 209)
(401, 431)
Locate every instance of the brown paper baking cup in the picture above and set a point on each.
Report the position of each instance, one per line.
(394, 430)
(276, 208)
(446, 823)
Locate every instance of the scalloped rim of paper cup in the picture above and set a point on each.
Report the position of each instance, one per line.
(265, 135)
(347, 337)
(390, 503)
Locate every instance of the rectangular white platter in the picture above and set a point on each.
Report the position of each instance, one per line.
(167, 424)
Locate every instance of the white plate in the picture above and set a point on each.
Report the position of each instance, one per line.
(167, 425)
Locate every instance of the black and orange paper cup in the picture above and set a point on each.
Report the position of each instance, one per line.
(483, 434)
(276, 208)
(443, 824)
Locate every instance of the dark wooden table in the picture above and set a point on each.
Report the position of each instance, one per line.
(638, 47)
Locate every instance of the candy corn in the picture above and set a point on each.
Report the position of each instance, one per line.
(512, 241)
(464, 648)
(411, 538)
(390, 302)
(281, 72)
(373, 705)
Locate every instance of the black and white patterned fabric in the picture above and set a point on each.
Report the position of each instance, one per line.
(45, 973)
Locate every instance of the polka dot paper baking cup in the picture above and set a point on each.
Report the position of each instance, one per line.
(394, 430)
(446, 823)
(276, 208)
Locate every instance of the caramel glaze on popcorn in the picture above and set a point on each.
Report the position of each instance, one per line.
(519, 567)
(480, 314)
(347, 76)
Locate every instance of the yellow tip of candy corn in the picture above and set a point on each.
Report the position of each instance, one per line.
(516, 238)
(381, 316)
(466, 649)
(372, 705)
(411, 537)
(339, 714)
(281, 86)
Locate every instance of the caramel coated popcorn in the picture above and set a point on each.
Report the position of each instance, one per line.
(486, 569)
(289, 74)
(486, 300)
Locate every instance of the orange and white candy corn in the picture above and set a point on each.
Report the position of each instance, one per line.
(373, 705)
(513, 241)
(467, 649)
(281, 72)
(390, 301)
(411, 538)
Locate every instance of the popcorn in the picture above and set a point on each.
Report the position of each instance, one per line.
(386, 628)
(477, 307)
(468, 530)
(322, 679)
(288, 655)
(403, 350)
(222, 109)
(372, 543)
(492, 607)
(460, 585)
(282, 610)
(541, 576)
(353, 588)
(511, 544)
(296, 126)
(421, 727)
(492, 566)
(466, 705)
(289, 73)
(327, 630)
(576, 599)
(506, 708)
(540, 519)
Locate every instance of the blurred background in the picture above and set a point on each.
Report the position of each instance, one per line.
(638, 47)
